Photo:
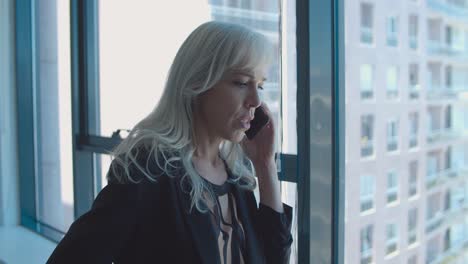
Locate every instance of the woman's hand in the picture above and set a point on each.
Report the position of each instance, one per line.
(261, 149)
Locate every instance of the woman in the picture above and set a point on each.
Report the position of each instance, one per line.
(181, 184)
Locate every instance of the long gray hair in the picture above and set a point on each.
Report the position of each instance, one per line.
(210, 51)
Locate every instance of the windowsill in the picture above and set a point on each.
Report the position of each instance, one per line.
(392, 255)
(366, 45)
(413, 198)
(393, 203)
(368, 158)
(413, 149)
(368, 212)
(414, 245)
(395, 152)
(16, 240)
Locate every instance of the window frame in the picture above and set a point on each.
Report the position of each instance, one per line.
(316, 180)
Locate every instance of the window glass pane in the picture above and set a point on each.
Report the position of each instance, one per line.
(288, 76)
(135, 55)
(366, 80)
(135, 59)
(366, 23)
(103, 163)
(418, 109)
(53, 98)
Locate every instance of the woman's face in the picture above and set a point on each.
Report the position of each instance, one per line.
(225, 111)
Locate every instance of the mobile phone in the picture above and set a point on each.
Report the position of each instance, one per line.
(259, 121)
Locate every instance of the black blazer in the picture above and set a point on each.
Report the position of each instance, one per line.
(151, 223)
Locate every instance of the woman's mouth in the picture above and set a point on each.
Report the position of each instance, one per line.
(245, 124)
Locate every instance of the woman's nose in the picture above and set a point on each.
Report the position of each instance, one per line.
(253, 98)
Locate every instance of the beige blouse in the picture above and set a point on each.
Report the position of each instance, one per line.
(227, 226)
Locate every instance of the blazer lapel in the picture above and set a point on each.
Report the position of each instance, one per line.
(202, 231)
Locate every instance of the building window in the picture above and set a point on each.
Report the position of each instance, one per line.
(413, 129)
(392, 239)
(413, 259)
(433, 212)
(392, 31)
(432, 249)
(413, 179)
(366, 81)
(448, 118)
(392, 187)
(367, 135)
(367, 185)
(392, 135)
(450, 170)
(413, 31)
(434, 124)
(447, 202)
(414, 86)
(432, 169)
(412, 226)
(367, 244)
(367, 23)
(392, 82)
(449, 78)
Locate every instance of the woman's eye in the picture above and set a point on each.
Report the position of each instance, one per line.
(239, 83)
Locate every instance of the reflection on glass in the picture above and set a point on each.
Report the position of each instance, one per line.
(407, 156)
(54, 136)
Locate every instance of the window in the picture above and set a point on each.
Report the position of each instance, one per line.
(414, 86)
(432, 169)
(455, 236)
(392, 31)
(413, 129)
(447, 202)
(413, 179)
(447, 240)
(413, 31)
(433, 212)
(434, 78)
(392, 82)
(366, 80)
(367, 135)
(412, 226)
(448, 160)
(392, 135)
(367, 240)
(434, 124)
(392, 239)
(449, 77)
(432, 249)
(413, 259)
(367, 23)
(448, 117)
(45, 143)
(392, 187)
(367, 192)
(448, 36)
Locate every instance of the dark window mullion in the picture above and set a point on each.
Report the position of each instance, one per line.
(85, 94)
(320, 131)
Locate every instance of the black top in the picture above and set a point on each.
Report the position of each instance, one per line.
(151, 222)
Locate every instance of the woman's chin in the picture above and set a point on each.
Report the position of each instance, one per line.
(238, 136)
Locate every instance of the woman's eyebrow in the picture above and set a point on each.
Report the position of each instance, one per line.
(249, 74)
